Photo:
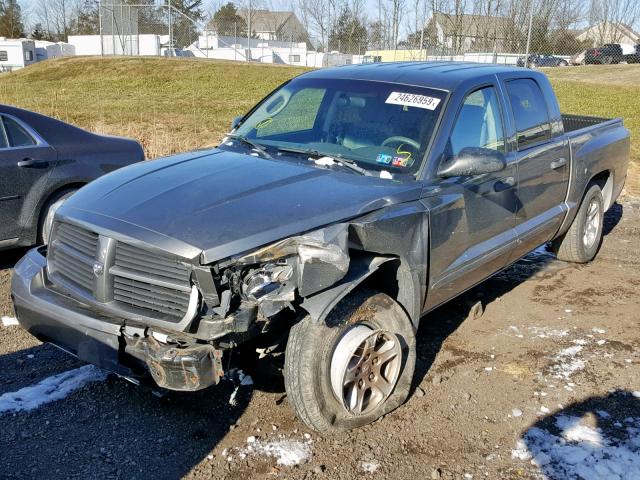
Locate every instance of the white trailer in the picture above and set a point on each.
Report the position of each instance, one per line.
(16, 53)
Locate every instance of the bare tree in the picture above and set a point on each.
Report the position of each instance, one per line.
(611, 17)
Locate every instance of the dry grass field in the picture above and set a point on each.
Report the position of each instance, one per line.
(177, 104)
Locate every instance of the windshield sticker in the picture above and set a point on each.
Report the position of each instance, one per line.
(384, 159)
(400, 161)
(413, 100)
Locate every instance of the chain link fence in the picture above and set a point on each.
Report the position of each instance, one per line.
(148, 30)
(334, 32)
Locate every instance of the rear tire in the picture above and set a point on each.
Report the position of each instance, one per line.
(582, 241)
(314, 358)
(49, 210)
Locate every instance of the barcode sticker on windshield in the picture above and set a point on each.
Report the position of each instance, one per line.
(413, 100)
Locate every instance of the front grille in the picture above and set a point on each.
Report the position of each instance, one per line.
(72, 255)
(145, 280)
(133, 281)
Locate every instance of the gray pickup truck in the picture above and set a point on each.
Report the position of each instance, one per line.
(335, 214)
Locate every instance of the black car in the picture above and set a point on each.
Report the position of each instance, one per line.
(607, 54)
(536, 60)
(42, 162)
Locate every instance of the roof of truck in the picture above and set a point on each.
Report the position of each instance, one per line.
(442, 75)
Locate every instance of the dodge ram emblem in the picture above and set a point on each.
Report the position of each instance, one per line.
(98, 269)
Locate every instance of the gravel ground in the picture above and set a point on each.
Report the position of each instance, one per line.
(544, 383)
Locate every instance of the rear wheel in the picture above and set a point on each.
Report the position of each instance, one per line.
(355, 367)
(582, 241)
(49, 210)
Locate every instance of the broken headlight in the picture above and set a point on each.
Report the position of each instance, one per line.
(309, 263)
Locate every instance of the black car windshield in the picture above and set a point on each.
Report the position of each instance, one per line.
(378, 125)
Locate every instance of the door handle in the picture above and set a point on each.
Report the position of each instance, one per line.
(33, 163)
(504, 184)
(561, 162)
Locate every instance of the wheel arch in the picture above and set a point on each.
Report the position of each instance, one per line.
(48, 200)
(385, 274)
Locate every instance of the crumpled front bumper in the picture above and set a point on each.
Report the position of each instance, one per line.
(51, 316)
(59, 319)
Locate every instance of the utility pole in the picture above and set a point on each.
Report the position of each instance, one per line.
(100, 24)
(249, 31)
(526, 53)
(170, 30)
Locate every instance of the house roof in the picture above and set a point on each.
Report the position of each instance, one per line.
(266, 20)
(473, 25)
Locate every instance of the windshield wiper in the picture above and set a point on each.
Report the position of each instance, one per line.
(254, 146)
(345, 162)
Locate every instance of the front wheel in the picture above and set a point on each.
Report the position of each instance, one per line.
(353, 368)
(582, 241)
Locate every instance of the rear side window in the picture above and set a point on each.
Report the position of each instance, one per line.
(16, 135)
(530, 112)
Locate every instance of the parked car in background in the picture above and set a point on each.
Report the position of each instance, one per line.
(337, 212)
(634, 57)
(607, 54)
(536, 60)
(42, 162)
(578, 58)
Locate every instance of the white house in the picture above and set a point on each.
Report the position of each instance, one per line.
(609, 32)
(16, 53)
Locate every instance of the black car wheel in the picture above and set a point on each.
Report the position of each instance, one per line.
(49, 210)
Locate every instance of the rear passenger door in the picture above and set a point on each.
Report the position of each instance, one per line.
(26, 162)
(542, 159)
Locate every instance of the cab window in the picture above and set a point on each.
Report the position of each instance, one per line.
(479, 123)
(529, 111)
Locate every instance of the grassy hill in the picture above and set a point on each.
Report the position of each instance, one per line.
(173, 105)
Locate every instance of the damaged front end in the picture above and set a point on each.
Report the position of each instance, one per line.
(252, 298)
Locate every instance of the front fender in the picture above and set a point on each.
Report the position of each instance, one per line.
(320, 304)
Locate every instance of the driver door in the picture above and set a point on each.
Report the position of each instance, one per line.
(472, 217)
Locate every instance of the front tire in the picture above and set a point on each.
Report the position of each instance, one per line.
(581, 242)
(353, 368)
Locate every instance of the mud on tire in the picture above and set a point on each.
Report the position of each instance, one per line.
(310, 350)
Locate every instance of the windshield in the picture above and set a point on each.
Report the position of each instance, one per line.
(380, 126)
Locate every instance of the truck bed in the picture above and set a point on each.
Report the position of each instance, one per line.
(577, 122)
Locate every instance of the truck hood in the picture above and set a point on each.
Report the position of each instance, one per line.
(216, 203)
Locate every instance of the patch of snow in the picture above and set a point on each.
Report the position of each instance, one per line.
(516, 412)
(636, 394)
(581, 451)
(567, 362)
(598, 330)
(9, 321)
(286, 452)
(601, 342)
(50, 389)
(488, 369)
(369, 466)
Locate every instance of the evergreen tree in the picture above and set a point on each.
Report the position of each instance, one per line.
(227, 22)
(11, 25)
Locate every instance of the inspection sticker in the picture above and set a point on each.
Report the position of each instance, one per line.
(413, 100)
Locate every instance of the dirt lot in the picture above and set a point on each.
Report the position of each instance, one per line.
(550, 371)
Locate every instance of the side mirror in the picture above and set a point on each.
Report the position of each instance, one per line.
(236, 121)
(473, 161)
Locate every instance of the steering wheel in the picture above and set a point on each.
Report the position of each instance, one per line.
(399, 139)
